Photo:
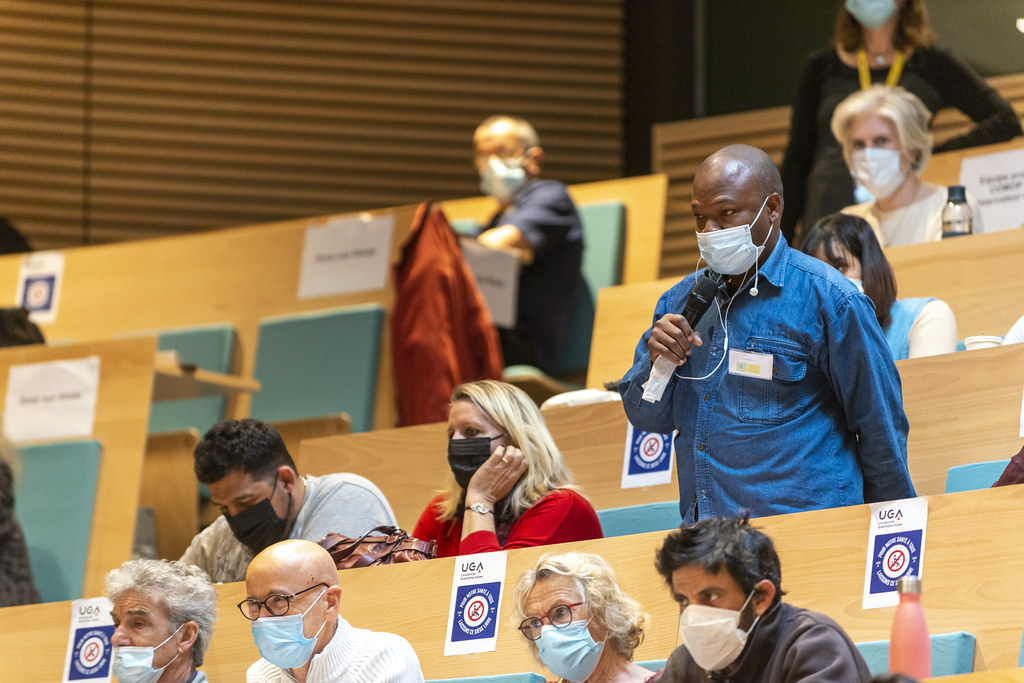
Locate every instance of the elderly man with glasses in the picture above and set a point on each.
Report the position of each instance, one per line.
(293, 598)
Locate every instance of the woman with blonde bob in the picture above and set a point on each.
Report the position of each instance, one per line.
(509, 486)
(578, 622)
(886, 144)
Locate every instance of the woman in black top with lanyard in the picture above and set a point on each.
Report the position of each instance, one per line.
(877, 42)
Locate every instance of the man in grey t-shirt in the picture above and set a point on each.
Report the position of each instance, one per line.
(254, 482)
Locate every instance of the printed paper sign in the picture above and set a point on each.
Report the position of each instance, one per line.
(648, 459)
(89, 649)
(53, 400)
(39, 284)
(497, 276)
(476, 604)
(346, 255)
(895, 548)
(997, 182)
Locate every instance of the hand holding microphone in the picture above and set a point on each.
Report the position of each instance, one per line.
(673, 335)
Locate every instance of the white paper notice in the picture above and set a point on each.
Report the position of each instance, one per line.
(895, 548)
(89, 650)
(346, 255)
(1021, 417)
(476, 604)
(52, 400)
(997, 182)
(648, 458)
(497, 276)
(39, 284)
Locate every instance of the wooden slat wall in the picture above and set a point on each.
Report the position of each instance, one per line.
(208, 113)
(680, 146)
(42, 85)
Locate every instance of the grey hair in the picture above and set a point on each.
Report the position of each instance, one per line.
(902, 108)
(183, 590)
(619, 615)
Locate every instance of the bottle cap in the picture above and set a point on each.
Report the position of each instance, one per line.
(909, 584)
(957, 193)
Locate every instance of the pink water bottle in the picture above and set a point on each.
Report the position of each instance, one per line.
(910, 651)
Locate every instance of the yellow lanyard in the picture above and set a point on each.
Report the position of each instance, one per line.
(865, 73)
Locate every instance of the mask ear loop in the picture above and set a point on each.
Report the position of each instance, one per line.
(757, 267)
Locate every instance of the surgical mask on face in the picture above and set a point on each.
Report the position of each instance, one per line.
(281, 641)
(731, 251)
(133, 664)
(712, 635)
(569, 652)
(878, 170)
(871, 13)
(259, 526)
(502, 179)
(465, 456)
(857, 283)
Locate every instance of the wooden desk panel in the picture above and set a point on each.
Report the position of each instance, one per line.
(972, 561)
(122, 416)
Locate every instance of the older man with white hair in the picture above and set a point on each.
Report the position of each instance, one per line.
(164, 614)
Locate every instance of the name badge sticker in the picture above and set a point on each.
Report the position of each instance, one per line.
(750, 364)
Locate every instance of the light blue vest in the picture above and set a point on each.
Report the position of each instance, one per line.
(904, 312)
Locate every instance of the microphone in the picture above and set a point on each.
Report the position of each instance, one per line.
(697, 304)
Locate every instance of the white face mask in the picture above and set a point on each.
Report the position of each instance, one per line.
(878, 170)
(503, 179)
(134, 664)
(731, 251)
(712, 635)
(857, 283)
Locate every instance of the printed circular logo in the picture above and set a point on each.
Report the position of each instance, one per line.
(650, 448)
(90, 653)
(475, 611)
(37, 294)
(895, 559)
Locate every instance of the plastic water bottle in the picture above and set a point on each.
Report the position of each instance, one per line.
(910, 650)
(956, 214)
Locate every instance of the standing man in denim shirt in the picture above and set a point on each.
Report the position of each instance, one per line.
(785, 395)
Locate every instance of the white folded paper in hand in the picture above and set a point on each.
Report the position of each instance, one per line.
(661, 373)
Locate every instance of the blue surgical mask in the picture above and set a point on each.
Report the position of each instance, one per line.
(281, 641)
(871, 13)
(134, 664)
(569, 652)
(503, 179)
(731, 251)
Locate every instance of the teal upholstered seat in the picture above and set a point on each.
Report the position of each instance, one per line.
(209, 347)
(638, 519)
(319, 363)
(977, 475)
(54, 499)
(952, 653)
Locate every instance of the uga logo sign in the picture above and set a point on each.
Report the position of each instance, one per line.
(890, 514)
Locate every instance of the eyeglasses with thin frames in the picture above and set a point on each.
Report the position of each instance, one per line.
(277, 605)
(558, 616)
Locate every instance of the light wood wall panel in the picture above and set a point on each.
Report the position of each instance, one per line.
(211, 113)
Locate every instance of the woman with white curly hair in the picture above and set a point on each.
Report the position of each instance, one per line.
(578, 622)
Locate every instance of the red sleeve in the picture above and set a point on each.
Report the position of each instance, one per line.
(559, 517)
(1014, 472)
(447, 535)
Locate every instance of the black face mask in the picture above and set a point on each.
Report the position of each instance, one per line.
(465, 456)
(259, 526)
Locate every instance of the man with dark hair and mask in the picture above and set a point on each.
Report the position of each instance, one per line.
(733, 625)
(784, 393)
(538, 220)
(254, 482)
(293, 600)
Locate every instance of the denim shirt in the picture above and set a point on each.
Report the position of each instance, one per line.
(827, 430)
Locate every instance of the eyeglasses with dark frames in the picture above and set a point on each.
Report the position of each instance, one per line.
(277, 605)
(558, 616)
